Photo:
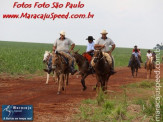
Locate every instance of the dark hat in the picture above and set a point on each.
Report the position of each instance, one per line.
(135, 46)
(90, 38)
(148, 51)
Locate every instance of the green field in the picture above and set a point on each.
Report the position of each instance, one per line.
(26, 58)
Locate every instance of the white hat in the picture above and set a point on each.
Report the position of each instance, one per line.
(104, 32)
(62, 33)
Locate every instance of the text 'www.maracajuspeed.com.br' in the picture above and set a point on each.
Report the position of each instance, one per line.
(45, 16)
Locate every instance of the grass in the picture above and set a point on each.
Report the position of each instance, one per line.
(120, 107)
(142, 84)
(102, 109)
(26, 58)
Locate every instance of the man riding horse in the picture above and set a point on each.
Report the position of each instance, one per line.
(139, 52)
(64, 46)
(136, 53)
(104, 42)
(90, 49)
(149, 55)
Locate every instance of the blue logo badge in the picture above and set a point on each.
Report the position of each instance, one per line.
(17, 112)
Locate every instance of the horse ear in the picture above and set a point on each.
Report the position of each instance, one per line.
(77, 51)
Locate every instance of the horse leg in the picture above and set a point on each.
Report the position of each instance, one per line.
(147, 74)
(150, 72)
(83, 81)
(136, 71)
(67, 76)
(54, 77)
(98, 88)
(103, 86)
(63, 81)
(132, 70)
(47, 78)
(59, 84)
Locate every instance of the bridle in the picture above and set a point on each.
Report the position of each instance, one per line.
(97, 57)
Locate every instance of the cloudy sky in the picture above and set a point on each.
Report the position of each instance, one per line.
(128, 22)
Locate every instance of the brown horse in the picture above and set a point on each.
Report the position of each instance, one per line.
(102, 70)
(83, 66)
(149, 67)
(62, 69)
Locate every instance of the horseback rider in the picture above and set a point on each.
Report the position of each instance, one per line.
(149, 55)
(135, 48)
(139, 52)
(136, 53)
(64, 46)
(104, 42)
(90, 47)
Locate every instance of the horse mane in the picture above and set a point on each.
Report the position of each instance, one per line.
(79, 58)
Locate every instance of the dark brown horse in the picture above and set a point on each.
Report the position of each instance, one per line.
(83, 66)
(102, 69)
(62, 69)
(134, 65)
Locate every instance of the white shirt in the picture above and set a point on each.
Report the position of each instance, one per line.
(107, 42)
(149, 55)
(90, 46)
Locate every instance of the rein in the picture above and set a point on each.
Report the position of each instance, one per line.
(100, 58)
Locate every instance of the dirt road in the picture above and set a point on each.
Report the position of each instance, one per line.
(50, 107)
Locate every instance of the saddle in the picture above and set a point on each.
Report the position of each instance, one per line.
(87, 56)
(63, 57)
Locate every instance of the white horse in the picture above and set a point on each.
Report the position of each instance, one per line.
(47, 57)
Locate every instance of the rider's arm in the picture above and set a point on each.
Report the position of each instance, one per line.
(113, 47)
(72, 47)
(99, 45)
(54, 48)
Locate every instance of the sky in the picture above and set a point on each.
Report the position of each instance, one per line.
(128, 22)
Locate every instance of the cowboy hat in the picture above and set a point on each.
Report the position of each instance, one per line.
(62, 33)
(104, 32)
(90, 38)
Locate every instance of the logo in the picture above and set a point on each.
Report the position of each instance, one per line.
(17, 112)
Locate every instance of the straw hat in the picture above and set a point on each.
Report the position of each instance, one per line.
(104, 32)
(62, 33)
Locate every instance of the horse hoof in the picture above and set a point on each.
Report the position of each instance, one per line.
(94, 89)
(58, 93)
(84, 88)
(63, 89)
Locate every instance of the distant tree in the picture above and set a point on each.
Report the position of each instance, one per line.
(159, 46)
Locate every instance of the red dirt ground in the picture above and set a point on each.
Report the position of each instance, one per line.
(50, 107)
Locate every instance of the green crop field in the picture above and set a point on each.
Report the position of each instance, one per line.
(26, 58)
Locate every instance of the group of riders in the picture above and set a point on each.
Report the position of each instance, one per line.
(65, 46)
(137, 53)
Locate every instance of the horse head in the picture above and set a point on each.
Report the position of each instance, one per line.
(133, 58)
(151, 59)
(77, 56)
(46, 56)
(97, 55)
(56, 59)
